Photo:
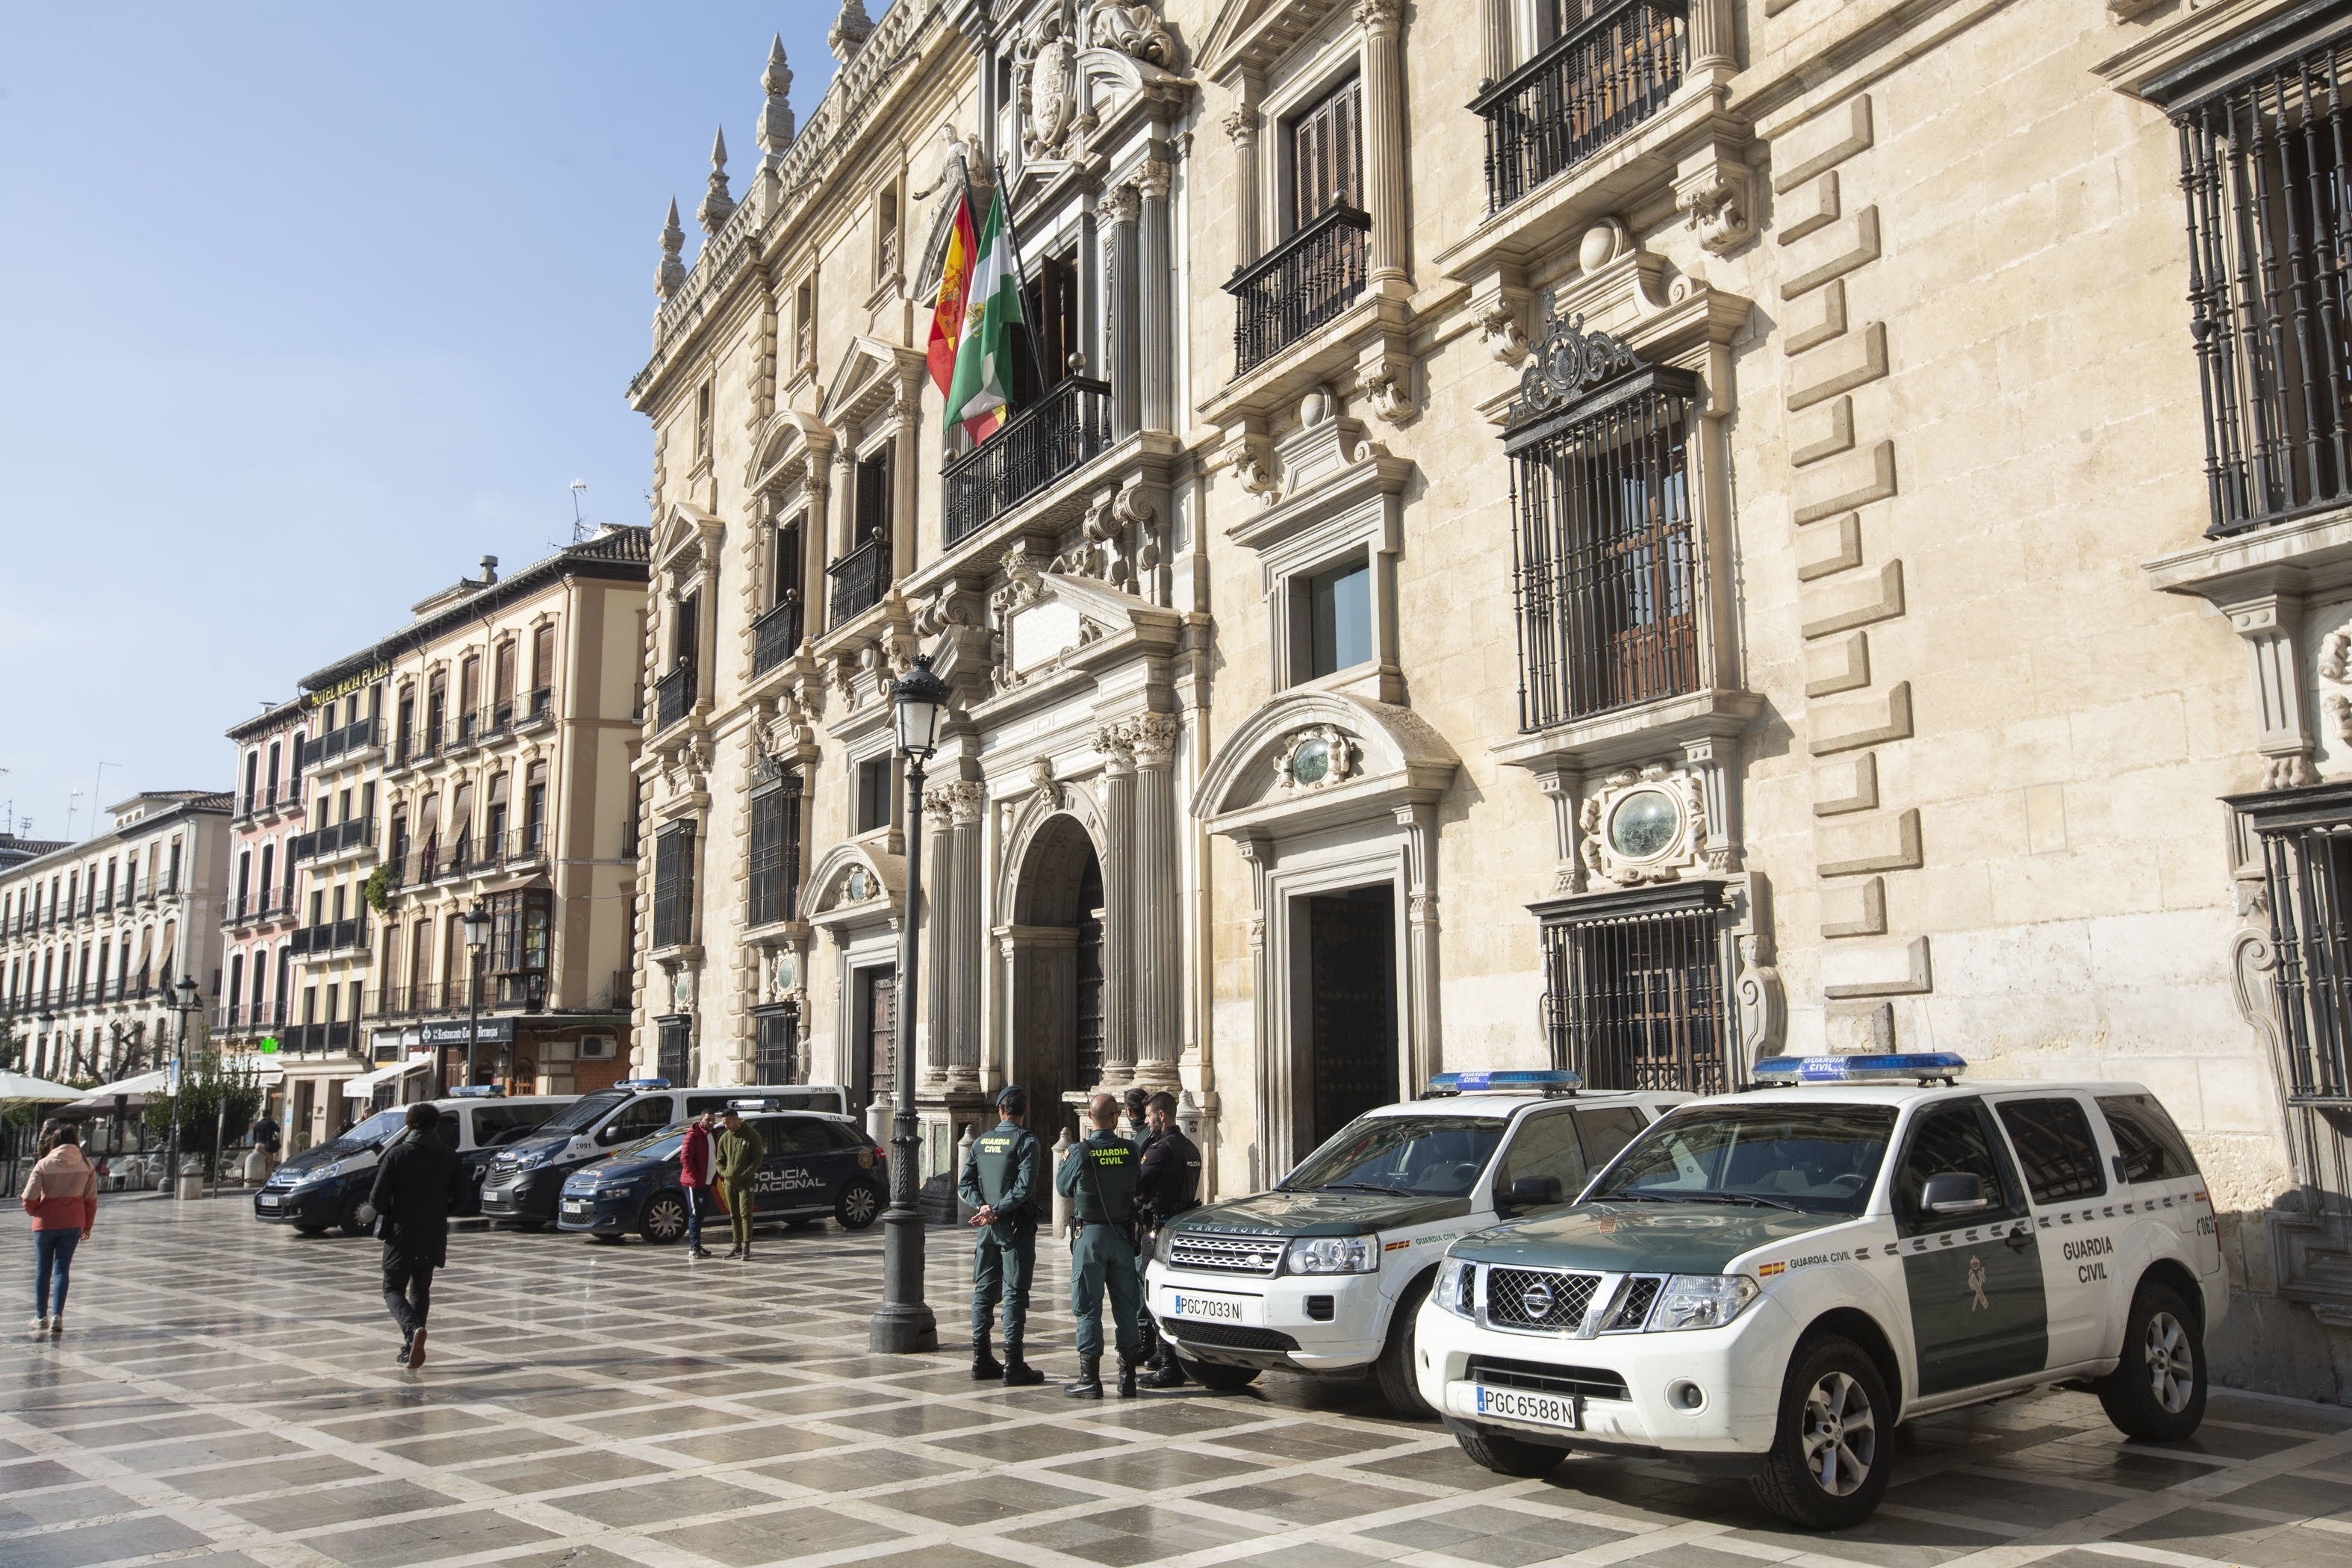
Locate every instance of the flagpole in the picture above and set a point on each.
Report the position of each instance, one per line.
(1013, 236)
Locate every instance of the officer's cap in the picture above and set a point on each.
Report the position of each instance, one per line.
(1013, 1098)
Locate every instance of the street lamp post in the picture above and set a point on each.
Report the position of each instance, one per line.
(904, 1322)
(478, 936)
(184, 1005)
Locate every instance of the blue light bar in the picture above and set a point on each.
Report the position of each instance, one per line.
(1554, 1080)
(1920, 1066)
(643, 1083)
(477, 1091)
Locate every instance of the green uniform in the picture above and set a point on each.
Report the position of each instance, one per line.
(1098, 1178)
(1000, 1173)
(740, 1154)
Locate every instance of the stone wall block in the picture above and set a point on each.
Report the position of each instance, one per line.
(1854, 599)
(1850, 722)
(1821, 144)
(1814, 320)
(1851, 1028)
(1839, 365)
(1828, 489)
(1833, 251)
(1847, 784)
(1855, 909)
(1821, 432)
(1837, 664)
(1860, 845)
(1877, 969)
(1824, 551)
(1810, 207)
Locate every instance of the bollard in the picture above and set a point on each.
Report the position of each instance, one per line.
(1062, 1215)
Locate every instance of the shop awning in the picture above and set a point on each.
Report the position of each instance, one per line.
(17, 1086)
(364, 1085)
(132, 1090)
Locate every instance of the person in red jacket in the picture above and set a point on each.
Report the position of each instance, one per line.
(62, 1198)
(694, 1177)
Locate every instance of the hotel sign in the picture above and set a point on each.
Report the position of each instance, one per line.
(494, 1032)
(344, 688)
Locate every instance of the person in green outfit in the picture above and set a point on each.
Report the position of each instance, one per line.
(1000, 1181)
(740, 1154)
(1098, 1178)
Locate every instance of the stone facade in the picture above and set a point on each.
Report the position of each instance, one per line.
(1710, 550)
(263, 900)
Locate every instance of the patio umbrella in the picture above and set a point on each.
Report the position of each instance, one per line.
(16, 1087)
(134, 1090)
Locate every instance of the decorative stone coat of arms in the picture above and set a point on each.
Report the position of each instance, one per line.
(1644, 825)
(1316, 757)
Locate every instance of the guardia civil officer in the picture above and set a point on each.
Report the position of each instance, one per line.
(1000, 1181)
(1098, 1178)
(1168, 1184)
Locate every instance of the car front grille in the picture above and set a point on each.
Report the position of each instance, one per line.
(1538, 1298)
(1635, 1299)
(1586, 1381)
(1226, 1336)
(1226, 1253)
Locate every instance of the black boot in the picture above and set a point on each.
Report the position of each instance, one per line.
(1126, 1376)
(1019, 1374)
(1089, 1384)
(985, 1367)
(1165, 1372)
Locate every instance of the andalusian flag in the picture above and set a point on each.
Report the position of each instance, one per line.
(981, 389)
(955, 283)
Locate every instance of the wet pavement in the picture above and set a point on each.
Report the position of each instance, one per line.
(225, 1395)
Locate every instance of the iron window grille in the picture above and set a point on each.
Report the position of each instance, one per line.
(775, 850)
(2306, 837)
(778, 1052)
(673, 1048)
(2266, 168)
(1604, 551)
(674, 885)
(1635, 988)
(1601, 78)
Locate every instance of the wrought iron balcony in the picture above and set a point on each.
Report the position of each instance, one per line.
(1299, 284)
(331, 840)
(775, 634)
(1584, 91)
(1037, 446)
(357, 736)
(330, 936)
(673, 696)
(860, 579)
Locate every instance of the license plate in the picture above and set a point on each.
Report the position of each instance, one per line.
(1211, 1309)
(1528, 1405)
(575, 1205)
(267, 1200)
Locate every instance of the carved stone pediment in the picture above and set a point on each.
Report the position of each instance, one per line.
(789, 435)
(872, 376)
(853, 884)
(1317, 759)
(1049, 619)
(686, 541)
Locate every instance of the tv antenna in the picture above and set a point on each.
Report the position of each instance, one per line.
(579, 523)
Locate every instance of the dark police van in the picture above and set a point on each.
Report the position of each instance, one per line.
(325, 1185)
(527, 1180)
(816, 1165)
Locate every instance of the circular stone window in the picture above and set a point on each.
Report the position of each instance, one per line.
(1311, 763)
(1644, 825)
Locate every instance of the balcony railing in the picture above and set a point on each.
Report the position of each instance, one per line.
(524, 846)
(1299, 284)
(860, 579)
(775, 634)
(673, 697)
(330, 936)
(333, 839)
(278, 797)
(1037, 446)
(273, 903)
(407, 1001)
(357, 736)
(311, 1039)
(1584, 91)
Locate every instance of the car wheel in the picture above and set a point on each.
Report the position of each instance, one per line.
(1828, 1465)
(662, 1219)
(2156, 1393)
(1508, 1456)
(1216, 1377)
(351, 1223)
(857, 1206)
(1394, 1371)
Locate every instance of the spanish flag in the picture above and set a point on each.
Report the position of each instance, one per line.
(955, 282)
(981, 392)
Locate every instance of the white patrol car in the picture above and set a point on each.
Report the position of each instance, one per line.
(1766, 1283)
(1325, 1273)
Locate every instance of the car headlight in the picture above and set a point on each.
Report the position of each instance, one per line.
(1163, 1246)
(1452, 1291)
(531, 1160)
(1701, 1300)
(320, 1174)
(1332, 1255)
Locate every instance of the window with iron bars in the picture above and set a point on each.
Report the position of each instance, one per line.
(778, 1055)
(1634, 989)
(1606, 557)
(674, 885)
(674, 1049)
(775, 850)
(2266, 165)
(2305, 837)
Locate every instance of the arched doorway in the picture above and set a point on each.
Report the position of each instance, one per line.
(1055, 949)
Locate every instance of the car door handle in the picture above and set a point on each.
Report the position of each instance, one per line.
(2020, 1239)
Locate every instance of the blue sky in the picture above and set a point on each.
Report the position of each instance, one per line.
(304, 307)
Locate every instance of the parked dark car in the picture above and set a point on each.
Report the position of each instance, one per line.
(816, 1165)
(325, 1186)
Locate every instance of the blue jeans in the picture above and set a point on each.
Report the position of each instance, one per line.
(53, 1253)
(698, 1203)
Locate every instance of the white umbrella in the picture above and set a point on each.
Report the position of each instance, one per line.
(17, 1086)
(135, 1089)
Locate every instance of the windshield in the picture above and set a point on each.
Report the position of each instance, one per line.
(660, 1146)
(375, 1129)
(1415, 1156)
(581, 1114)
(1813, 1159)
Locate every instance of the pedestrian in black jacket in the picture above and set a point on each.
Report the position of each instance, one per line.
(415, 1187)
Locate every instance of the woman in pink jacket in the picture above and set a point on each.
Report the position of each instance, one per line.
(62, 1198)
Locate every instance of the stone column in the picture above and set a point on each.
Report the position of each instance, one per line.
(1710, 37)
(941, 905)
(906, 477)
(1240, 127)
(1421, 954)
(1122, 204)
(1156, 284)
(844, 531)
(818, 468)
(1158, 961)
(1090, 292)
(963, 986)
(1120, 951)
(1384, 135)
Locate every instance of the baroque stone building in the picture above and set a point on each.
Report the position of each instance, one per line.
(1630, 534)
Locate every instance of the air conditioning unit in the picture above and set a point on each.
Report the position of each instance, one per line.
(596, 1048)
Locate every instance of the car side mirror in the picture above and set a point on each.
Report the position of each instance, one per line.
(1954, 1193)
(1534, 1191)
